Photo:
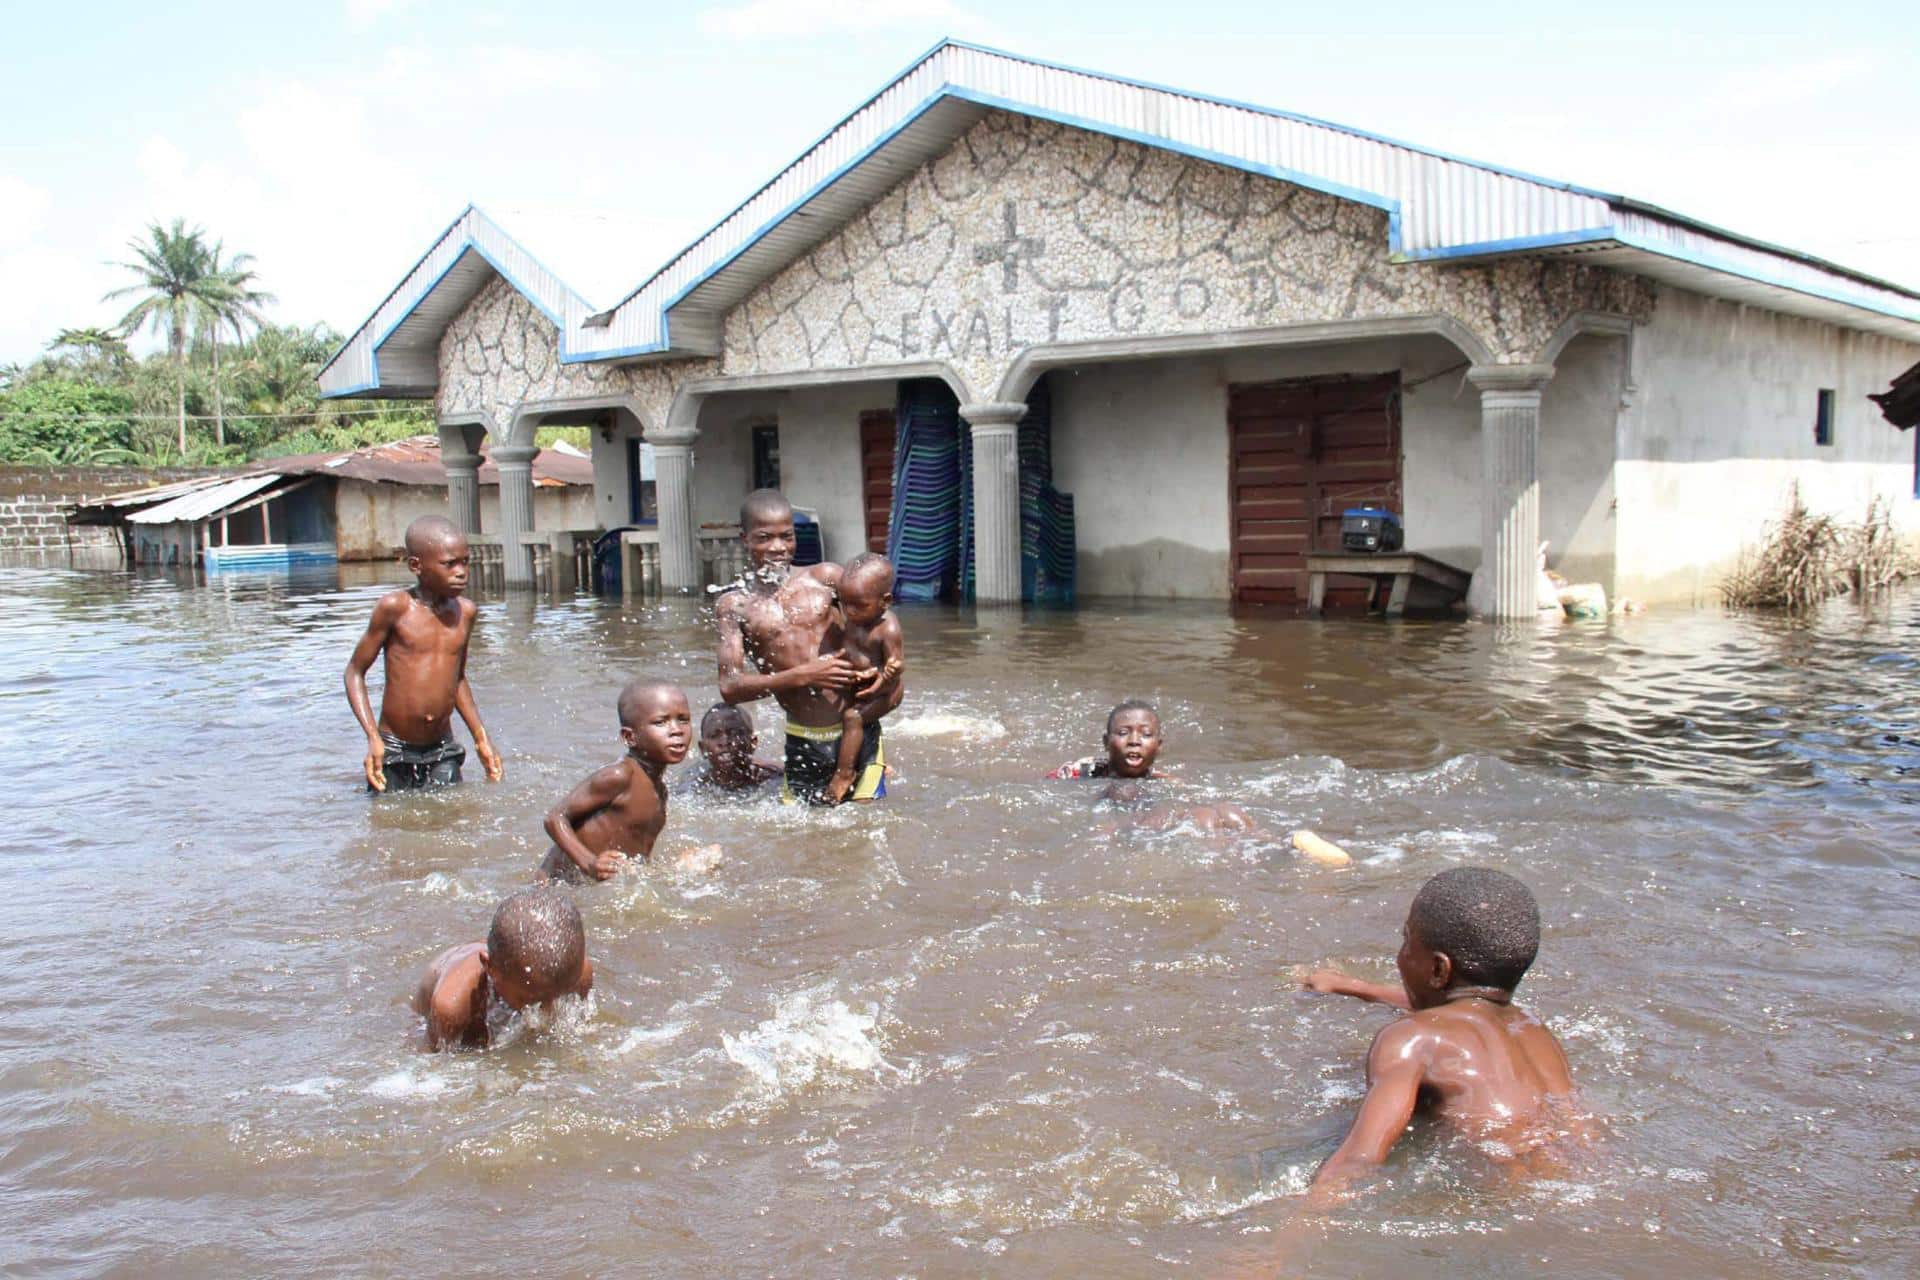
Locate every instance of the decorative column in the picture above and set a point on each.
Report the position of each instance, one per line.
(515, 464)
(459, 455)
(1506, 586)
(673, 491)
(996, 499)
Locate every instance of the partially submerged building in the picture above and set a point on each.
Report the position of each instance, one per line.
(315, 508)
(1015, 320)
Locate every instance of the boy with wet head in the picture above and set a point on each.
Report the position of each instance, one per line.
(872, 642)
(618, 812)
(1132, 742)
(535, 953)
(779, 635)
(1480, 1061)
(727, 741)
(424, 633)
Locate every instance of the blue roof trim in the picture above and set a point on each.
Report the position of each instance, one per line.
(1725, 267)
(1487, 248)
(405, 276)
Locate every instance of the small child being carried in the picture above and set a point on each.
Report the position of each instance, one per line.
(872, 642)
(618, 812)
(535, 953)
(1480, 1061)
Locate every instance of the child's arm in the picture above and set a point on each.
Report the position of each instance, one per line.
(885, 679)
(457, 1010)
(470, 712)
(379, 630)
(585, 800)
(1395, 1068)
(1331, 982)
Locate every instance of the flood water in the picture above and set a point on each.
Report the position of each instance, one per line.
(971, 1030)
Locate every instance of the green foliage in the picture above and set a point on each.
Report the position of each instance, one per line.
(54, 420)
(578, 437)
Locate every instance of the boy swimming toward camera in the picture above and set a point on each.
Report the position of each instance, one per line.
(872, 641)
(535, 953)
(1465, 1050)
(423, 633)
(617, 814)
(1133, 741)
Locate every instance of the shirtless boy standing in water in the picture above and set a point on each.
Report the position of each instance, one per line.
(424, 634)
(781, 619)
(1480, 1061)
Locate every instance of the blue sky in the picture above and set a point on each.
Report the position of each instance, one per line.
(336, 139)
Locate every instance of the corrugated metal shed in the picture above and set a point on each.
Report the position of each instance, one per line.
(207, 501)
(1439, 207)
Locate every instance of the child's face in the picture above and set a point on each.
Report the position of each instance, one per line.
(730, 744)
(769, 540)
(443, 569)
(864, 600)
(1133, 743)
(662, 728)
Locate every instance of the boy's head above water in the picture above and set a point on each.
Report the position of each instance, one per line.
(726, 734)
(1133, 739)
(1469, 927)
(537, 948)
(437, 555)
(866, 588)
(766, 526)
(655, 721)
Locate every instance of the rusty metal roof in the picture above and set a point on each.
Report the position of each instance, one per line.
(416, 460)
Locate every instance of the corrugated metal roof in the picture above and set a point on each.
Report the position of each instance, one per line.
(1440, 208)
(207, 501)
(416, 460)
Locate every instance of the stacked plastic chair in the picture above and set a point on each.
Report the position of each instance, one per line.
(932, 498)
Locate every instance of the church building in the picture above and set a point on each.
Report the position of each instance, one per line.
(1041, 332)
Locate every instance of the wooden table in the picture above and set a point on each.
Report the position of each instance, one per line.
(1407, 577)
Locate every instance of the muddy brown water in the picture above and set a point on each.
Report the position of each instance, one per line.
(963, 1032)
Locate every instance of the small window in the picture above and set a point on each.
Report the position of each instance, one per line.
(766, 457)
(1823, 418)
(643, 505)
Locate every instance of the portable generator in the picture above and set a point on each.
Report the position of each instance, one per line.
(1370, 529)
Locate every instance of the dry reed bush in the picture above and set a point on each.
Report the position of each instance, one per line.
(1806, 558)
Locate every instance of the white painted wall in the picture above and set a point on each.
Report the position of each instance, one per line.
(820, 458)
(1722, 423)
(723, 456)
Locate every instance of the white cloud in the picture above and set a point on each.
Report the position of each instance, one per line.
(762, 18)
(362, 14)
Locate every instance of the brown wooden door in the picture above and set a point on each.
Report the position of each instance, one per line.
(876, 474)
(1301, 452)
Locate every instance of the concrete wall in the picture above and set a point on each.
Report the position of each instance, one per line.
(1142, 447)
(33, 503)
(371, 519)
(723, 456)
(820, 458)
(1722, 423)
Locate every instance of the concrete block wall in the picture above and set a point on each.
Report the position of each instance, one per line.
(34, 502)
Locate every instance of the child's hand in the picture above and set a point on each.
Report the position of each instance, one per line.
(607, 865)
(376, 764)
(489, 759)
(699, 862)
(1328, 982)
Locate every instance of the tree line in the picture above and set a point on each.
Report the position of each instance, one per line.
(226, 387)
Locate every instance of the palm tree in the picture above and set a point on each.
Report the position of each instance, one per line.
(237, 305)
(91, 343)
(177, 277)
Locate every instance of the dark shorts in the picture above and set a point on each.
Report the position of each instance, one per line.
(413, 768)
(811, 757)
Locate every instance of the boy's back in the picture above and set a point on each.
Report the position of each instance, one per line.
(1491, 1068)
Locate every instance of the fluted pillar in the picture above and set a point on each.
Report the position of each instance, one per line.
(515, 464)
(1507, 582)
(460, 455)
(673, 491)
(996, 499)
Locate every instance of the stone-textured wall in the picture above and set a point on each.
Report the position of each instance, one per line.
(502, 352)
(34, 502)
(1028, 232)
